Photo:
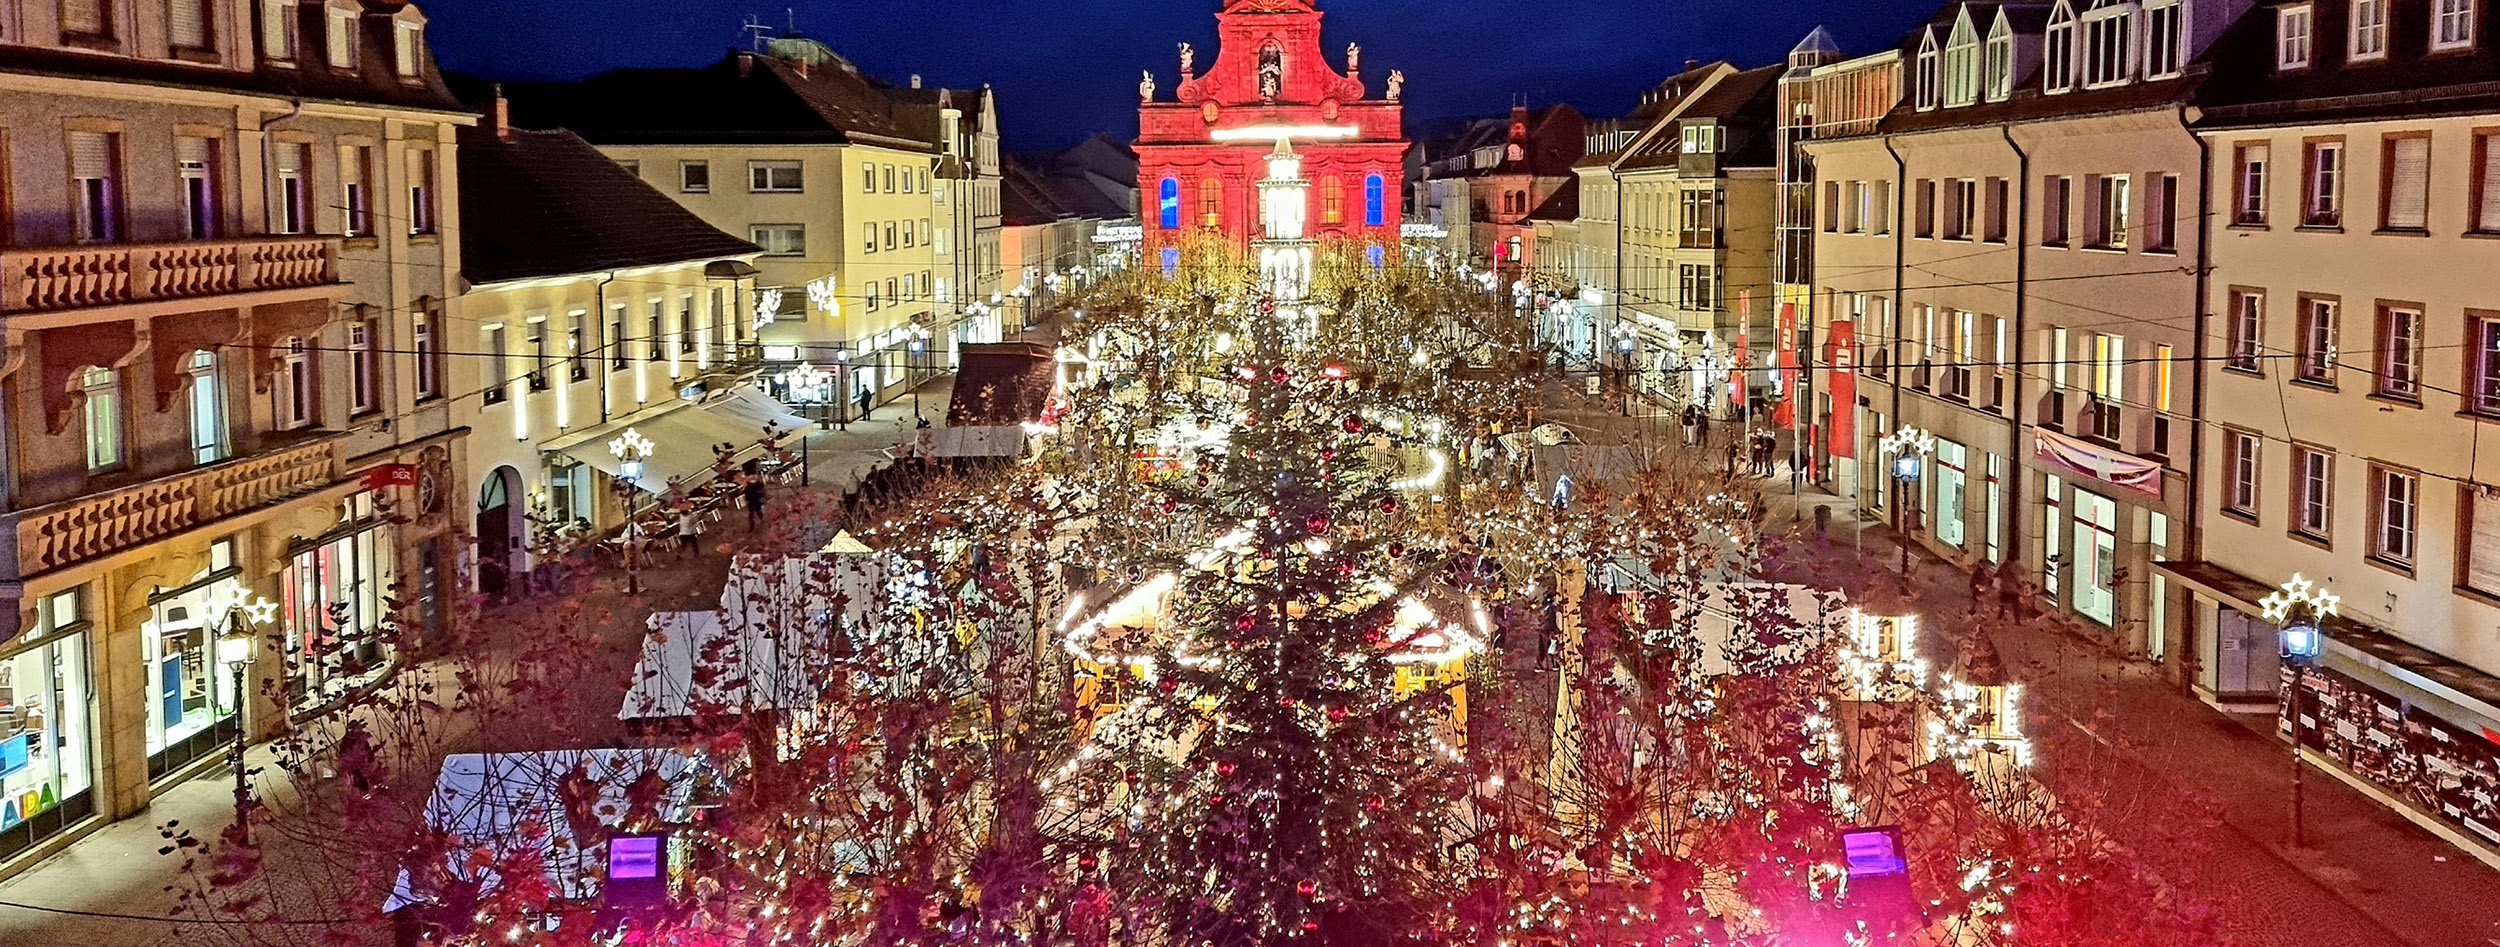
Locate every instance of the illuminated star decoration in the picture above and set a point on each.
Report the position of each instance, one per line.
(630, 445)
(1908, 440)
(255, 609)
(2297, 593)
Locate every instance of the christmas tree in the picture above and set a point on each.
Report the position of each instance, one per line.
(1291, 759)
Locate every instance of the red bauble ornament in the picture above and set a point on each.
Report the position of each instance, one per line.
(1307, 888)
(1397, 550)
(1286, 702)
(1225, 768)
(1310, 925)
(1345, 568)
(1319, 524)
(1245, 623)
(1170, 504)
(1389, 505)
(1281, 374)
(1087, 861)
(1169, 684)
(1375, 803)
(1336, 713)
(1353, 424)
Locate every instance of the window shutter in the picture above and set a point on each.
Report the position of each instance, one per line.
(187, 23)
(91, 155)
(189, 152)
(2487, 216)
(2482, 564)
(2408, 183)
(290, 159)
(82, 16)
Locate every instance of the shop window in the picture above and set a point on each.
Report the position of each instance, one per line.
(191, 689)
(46, 758)
(336, 626)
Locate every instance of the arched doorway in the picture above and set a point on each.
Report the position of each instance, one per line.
(499, 530)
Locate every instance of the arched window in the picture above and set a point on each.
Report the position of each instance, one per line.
(1271, 71)
(1171, 261)
(1170, 202)
(1211, 202)
(1374, 211)
(1998, 73)
(1331, 199)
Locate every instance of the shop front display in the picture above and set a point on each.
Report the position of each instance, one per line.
(47, 761)
(335, 590)
(191, 690)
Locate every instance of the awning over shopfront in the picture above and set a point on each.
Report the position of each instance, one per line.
(683, 437)
(2352, 643)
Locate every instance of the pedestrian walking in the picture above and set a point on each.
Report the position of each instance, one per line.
(1692, 423)
(755, 503)
(689, 528)
(867, 403)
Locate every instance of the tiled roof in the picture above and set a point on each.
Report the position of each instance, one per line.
(1001, 383)
(1563, 204)
(2246, 88)
(538, 204)
(1742, 104)
(743, 98)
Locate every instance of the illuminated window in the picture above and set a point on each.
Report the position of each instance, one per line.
(1375, 210)
(1331, 200)
(1170, 197)
(1211, 202)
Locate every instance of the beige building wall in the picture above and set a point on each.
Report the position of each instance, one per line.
(2430, 598)
(845, 287)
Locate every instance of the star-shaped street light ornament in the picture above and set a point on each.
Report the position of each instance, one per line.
(254, 608)
(2295, 594)
(1908, 440)
(630, 445)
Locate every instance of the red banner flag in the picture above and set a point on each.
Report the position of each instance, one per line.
(390, 475)
(1736, 373)
(1843, 385)
(1785, 415)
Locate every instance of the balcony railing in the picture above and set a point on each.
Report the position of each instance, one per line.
(99, 525)
(55, 278)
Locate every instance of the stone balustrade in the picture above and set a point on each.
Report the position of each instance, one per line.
(92, 527)
(48, 279)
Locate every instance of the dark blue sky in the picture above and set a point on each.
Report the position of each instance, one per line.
(1067, 68)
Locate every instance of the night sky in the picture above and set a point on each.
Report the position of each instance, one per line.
(1068, 68)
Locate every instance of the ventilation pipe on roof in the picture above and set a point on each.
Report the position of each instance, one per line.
(502, 116)
(915, 80)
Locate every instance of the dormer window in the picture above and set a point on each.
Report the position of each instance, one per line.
(1961, 64)
(2057, 51)
(342, 38)
(278, 30)
(2106, 45)
(2369, 30)
(1998, 64)
(1927, 71)
(1701, 139)
(2452, 24)
(2291, 37)
(2165, 38)
(406, 38)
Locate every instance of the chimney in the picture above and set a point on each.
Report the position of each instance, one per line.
(915, 80)
(502, 118)
(746, 65)
(1691, 64)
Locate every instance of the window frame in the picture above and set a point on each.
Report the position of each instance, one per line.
(763, 176)
(100, 396)
(2467, 12)
(2318, 338)
(2322, 182)
(2244, 331)
(2286, 43)
(2165, 50)
(2243, 472)
(2354, 27)
(689, 171)
(364, 366)
(2248, 197)
(758, 232)
(2312, 497)
(2397, 357)
(2383, 477)
(2118, 54)
(2388, 144)
(2482, 364)
(2057, 53)
(340, 39)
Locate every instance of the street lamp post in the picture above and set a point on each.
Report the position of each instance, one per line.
(841, 388)
(1909, 447)
(234, 647)
(1626, 339)
(631, 449)
(2300, 609)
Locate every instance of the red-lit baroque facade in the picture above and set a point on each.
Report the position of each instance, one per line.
(1199, 153)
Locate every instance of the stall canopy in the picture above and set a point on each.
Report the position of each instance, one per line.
(999, 389)
(770, 644)
(683, 437)
(558, 805)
